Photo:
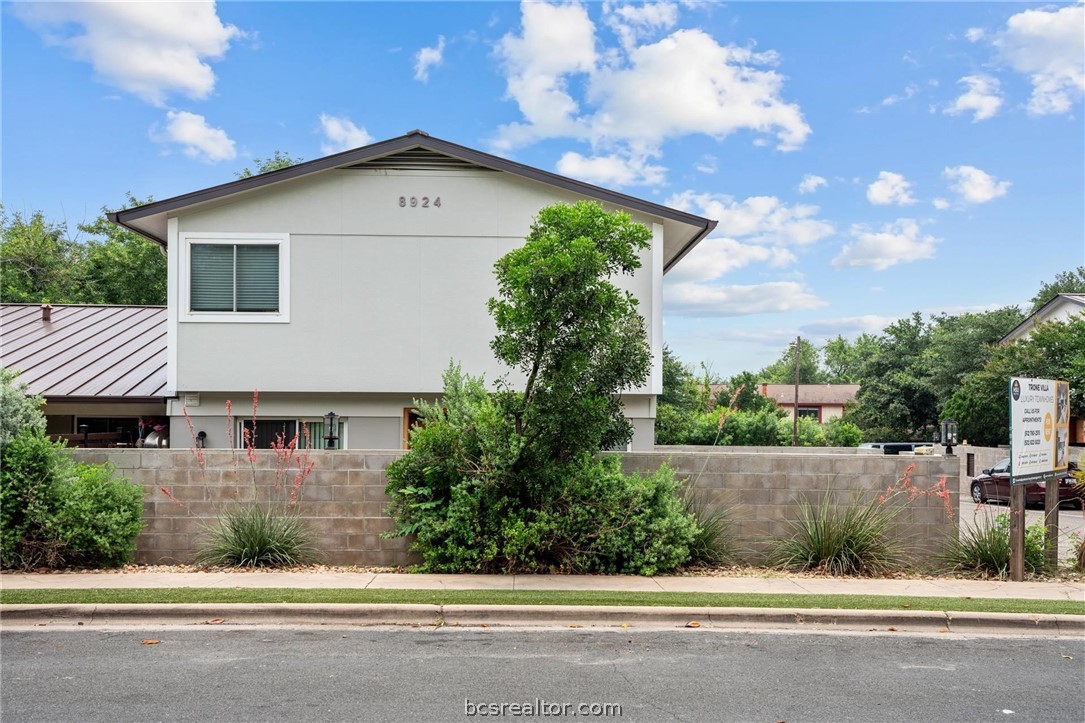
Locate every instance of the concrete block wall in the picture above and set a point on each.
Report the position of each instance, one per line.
(762, 491)
(344, 499)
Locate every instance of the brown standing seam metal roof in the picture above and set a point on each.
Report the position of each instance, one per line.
(413, 140)
(87, 352)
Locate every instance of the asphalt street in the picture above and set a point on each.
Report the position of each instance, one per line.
(448, 674)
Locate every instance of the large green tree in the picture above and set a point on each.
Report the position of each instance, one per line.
(120, 266)
(278, 160)
(782, 371)
(843, 360)
(960, 345)
(38, 262)
(895, 400)
(1054, 350)
(575, 336)
(1065, 282)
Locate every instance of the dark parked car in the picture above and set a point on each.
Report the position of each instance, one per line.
(994, 484)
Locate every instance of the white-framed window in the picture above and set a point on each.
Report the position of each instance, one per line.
(230, 277)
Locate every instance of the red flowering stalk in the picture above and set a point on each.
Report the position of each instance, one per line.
(169, 494)
(194, 448)
(904, 486)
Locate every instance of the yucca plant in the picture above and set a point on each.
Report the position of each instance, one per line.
(714, 543)
(839, 539)
(252, 535)
(984, 547)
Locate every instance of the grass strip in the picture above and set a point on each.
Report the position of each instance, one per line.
(536, 597)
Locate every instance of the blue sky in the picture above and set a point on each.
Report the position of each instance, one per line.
(864, 160)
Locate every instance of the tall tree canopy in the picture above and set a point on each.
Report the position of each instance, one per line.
(576, 337)
(1065, 282)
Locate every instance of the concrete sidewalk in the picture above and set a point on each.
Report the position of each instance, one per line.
(788, 585)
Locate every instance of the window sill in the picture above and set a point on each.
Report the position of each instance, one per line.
(232, 318)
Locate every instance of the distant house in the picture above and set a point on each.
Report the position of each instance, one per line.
(349, 282)
(99, 368)
(820, 402)
(1060, 308)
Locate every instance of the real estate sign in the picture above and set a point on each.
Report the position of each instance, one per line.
(1039, 428)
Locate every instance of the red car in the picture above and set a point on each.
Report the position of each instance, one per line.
(994, 484)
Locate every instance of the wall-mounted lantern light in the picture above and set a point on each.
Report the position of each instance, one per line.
(330, 429)
(201, 439)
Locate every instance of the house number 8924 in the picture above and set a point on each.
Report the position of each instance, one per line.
(419, 202)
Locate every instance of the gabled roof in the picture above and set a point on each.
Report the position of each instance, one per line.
(1073, 302)
(784, 394)
(404, 152)
(86, 352)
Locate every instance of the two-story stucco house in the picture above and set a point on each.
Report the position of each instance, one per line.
(348, 283)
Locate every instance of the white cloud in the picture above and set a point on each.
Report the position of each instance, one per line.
(196, 138)
(427, 58)
(714, 257)
(848, 326)
(702, 300)
(811, 183)
(894, 243)
(612, 170)
(628, 100)
(890, 188)
(758, 219)
(341, 134)
(975, 34)
(688, 83)
(1047, 45)
(974, 185)
(708, 164)
(983, 98)
(909, 92)
(632, 23)
(557, 41)
(940, 203)
(148, 49)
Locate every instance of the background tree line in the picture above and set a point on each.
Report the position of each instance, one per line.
(102, 263)
(914, 374)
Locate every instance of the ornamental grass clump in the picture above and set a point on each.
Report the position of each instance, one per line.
(837, 539)
(854, 539)
(984, 548)
(251, 535)
(714, 542)
(266, 530)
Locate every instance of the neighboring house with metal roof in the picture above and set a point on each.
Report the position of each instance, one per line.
(820, 402)
(1060, 308)
(99, 366)
(349, 282)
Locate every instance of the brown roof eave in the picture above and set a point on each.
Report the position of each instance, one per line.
(114, 216)
(104, 400)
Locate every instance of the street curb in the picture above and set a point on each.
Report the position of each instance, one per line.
(347, 614)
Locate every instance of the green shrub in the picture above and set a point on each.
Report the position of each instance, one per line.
(54, 512)
(18, 409)
(99, 516)
(29, 464)
(252, 535)
(985, 547)
(841, 433)
(839, 539)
